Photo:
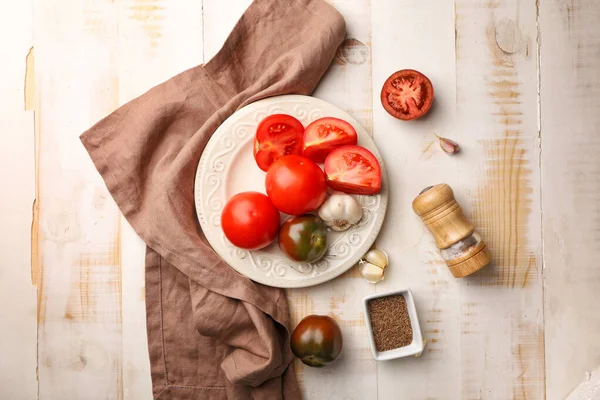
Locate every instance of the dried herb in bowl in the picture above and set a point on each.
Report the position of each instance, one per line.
(390, 321)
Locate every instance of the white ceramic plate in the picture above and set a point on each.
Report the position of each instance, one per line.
(227, 167)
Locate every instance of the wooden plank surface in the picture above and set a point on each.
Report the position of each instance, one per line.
(18, 312)
(78, 234)
(570, 120)
(496, 335)
(501, 308)
(414, 161)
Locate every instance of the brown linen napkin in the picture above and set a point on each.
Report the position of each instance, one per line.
(212, 333)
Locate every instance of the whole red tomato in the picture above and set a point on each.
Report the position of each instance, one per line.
(296, 185)
(250, 220)
(317, 340)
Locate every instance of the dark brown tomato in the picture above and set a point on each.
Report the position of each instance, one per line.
(303, 238)
(317, 340)
(407, 94)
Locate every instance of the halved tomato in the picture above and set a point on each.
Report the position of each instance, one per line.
(324, 135)
(407, 94)
(353, 169)
(277, 135)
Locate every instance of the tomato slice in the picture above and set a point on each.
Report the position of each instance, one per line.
(407, 94)
(324, 135)
(353, 169)
(277, 135)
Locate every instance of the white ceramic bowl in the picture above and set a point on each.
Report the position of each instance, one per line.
(415, 347)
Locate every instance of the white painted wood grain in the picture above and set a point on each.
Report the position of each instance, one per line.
(18, 313)
(486, 333)
(18, 300)
(414, 161)
(16, 31)
(501, 309)
(570, 99)
(79, 249)
(17, 293)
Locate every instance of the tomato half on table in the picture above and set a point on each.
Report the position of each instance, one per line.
(250, 220)
(353, 169)
(407, 94)
(324, 135)
(277, 135)
(296, 185)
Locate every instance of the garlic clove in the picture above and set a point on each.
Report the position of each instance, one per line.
(377, 257)
(449, 146)
(372, 273)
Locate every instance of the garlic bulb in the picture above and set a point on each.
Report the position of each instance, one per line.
(340, 211)
(373, 264)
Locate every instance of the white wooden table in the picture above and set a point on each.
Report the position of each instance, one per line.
(517, 85)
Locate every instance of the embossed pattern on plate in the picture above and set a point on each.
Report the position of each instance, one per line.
(227, 167)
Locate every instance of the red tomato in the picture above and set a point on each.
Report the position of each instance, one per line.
(277, 135)
(353, 169)
(324, 135)
(250, 220)
(407, 94)
(296, 185)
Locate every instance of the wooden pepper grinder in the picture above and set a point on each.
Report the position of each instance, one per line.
(462, 248)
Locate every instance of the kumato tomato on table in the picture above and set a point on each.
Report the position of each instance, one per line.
(317, 340)
(277, 135)
(407, 94)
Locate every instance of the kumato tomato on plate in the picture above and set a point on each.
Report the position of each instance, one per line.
(407, 94)
(354, 170)
(324, 135)
(277, 135)
(303, 238)
(317, 340)
(250, 220)
(296, 185)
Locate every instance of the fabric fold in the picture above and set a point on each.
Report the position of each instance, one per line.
(211, 331)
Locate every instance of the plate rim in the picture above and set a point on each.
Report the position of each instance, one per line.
(328, 275)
